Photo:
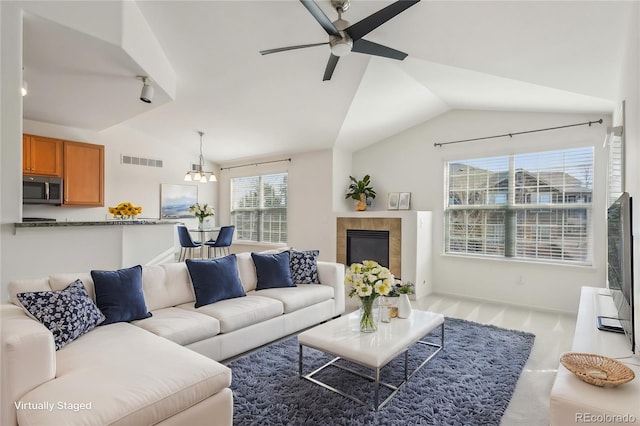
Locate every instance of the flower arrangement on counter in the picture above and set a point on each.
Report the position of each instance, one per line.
(368, 281)
(202, 211)
(125, 210)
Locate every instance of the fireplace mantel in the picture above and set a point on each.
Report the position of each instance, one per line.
(409, 242)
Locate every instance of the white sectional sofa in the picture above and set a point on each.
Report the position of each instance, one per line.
(159, 370)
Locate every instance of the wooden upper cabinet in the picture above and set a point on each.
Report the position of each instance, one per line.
(41, 156)
(83, 174)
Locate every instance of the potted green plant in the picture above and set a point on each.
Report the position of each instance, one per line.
(360, 190)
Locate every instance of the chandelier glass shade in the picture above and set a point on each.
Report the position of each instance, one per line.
(197, 172)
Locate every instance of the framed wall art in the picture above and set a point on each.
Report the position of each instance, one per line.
(404, 201)
(392, 201)
(176, 199)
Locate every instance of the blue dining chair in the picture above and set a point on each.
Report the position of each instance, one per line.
(223, 242)
(187, 244)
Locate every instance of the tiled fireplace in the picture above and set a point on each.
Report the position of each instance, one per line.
(391, 225)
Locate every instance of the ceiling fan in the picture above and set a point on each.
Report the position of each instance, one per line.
(345, 38)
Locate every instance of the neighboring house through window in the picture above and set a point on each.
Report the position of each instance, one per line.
(259, 207)
(529, 206)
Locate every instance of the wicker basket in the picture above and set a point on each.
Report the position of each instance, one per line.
(597, 370)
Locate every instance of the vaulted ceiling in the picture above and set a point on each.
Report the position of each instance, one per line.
(493, 55)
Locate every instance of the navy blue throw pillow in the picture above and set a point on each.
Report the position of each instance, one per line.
(272, 270)
(119, 294)
(215, 279)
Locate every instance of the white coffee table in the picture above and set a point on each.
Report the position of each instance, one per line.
(342, 338)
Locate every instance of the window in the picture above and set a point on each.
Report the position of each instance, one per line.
(615, 168)
(530, 206)
(259, 208)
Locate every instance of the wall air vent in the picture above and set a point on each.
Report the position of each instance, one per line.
(139, 161)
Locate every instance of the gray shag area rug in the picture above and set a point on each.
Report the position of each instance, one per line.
(470, 382)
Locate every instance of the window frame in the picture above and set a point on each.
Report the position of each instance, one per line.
(514, 242)
(258, 225)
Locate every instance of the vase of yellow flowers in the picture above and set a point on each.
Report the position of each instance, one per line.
(368, 281)
(202, 212)
(125, 210)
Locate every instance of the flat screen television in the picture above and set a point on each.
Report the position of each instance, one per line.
(620, 263)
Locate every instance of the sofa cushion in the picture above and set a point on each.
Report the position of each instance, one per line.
(28, 285)
(60, 281)
(272, 270)
(240, 312)
(215, 279)
(67, 313)
(297, 298)
(247, 271)
(119, 294)
(140, 379)
(304, 266)
(166, 285)
(180, 326)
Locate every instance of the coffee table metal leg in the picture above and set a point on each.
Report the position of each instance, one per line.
(300, 361)
(377, 389)
(406, 363)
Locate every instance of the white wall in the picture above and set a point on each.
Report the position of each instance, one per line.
(408, 162)
(342, 164)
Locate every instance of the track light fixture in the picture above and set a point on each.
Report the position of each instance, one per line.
(197, 173)
(147, 89)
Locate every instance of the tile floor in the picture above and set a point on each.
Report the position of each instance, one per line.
(554, 334)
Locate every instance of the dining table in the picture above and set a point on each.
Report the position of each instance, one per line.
(205, 232)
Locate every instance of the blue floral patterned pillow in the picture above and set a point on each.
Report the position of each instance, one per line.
(304, 266)
(67, 313)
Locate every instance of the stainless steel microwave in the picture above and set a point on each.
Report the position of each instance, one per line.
(41, 190)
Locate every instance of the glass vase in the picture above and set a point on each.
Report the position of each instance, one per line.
(201, 223)
(368, 315)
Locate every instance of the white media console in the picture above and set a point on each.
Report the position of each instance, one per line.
(575, 402)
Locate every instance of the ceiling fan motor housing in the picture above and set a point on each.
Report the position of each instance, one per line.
(342, 5)
(342, 45)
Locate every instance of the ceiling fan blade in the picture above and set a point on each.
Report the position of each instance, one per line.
(371, 22)
(371, 48)
(284, 49)
(320, 16)
(331, 65)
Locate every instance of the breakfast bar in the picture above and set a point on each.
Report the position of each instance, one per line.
(109, 244)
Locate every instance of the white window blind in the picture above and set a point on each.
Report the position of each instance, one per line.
(531, 206)
(259, 207)
(615, 169)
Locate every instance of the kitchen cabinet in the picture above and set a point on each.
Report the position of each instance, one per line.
(83, 177)
(41, 156)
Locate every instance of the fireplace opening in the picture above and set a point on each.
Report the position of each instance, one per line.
(367, 245)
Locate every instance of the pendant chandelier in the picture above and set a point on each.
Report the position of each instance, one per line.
(197, 172)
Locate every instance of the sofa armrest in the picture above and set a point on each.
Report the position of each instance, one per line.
(28, 358)
(331, 273)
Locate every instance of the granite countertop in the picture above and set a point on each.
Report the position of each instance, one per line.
(57, 224)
